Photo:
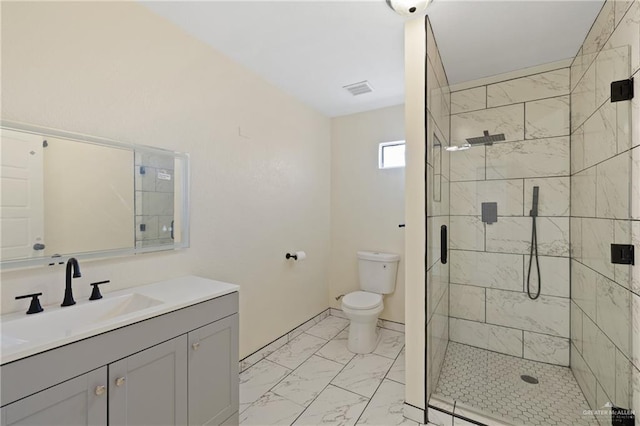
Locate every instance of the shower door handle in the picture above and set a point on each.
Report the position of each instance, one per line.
(443, 244)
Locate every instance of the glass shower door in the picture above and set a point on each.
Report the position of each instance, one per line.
(566, 356)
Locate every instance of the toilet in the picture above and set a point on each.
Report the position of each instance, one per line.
(377, 275)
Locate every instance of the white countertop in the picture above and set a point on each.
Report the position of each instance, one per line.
(25, 335)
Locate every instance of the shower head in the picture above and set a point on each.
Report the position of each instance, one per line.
(486, 139)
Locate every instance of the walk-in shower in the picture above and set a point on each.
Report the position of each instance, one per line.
(530, 320)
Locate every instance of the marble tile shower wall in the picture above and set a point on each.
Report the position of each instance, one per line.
(605, 208)
(438, 100)
(154, 185)
(488, 306)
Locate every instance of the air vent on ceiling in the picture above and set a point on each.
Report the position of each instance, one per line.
(359, 88)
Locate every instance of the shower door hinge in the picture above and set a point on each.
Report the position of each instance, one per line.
(622, 90)
(622, 254)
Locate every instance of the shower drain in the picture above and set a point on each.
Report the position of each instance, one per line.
(529, 379)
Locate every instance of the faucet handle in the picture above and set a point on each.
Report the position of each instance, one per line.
(35, 306)
(95, 293)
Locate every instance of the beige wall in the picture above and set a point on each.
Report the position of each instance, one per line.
(367, 203)
(118, 71)
(415, 53)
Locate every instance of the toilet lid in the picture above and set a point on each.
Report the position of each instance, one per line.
(362, 300)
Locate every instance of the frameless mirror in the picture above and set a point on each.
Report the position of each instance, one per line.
(74, 195)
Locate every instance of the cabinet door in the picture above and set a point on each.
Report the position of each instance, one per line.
(79, 401)
(213, 372)
(150, 387)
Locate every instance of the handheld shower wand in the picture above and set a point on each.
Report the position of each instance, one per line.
(534, 245)
(534, 206)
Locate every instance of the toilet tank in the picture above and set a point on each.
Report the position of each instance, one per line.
(378, 271)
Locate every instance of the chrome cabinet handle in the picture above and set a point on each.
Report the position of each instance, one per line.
(196, 346)
(120, 381)
(100, 390)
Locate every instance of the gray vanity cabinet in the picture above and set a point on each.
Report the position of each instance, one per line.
(213, 372)
(179, 368)
(150, 387)
(79, 401)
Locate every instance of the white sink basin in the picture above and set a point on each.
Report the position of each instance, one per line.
(24, 335)
(72, 320)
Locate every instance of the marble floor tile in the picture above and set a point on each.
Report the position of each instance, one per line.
(307, 381)
(297, 351)
(334, 384)
(334, 406)
(336, 350)
(390, 343)
(328, 328)
(386, 406)
(258, 379)
(363, 374)
(397, 371)
(271, 409)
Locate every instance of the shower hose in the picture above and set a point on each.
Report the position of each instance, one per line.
(533, 251)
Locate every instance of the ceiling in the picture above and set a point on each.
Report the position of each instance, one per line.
(311, 49)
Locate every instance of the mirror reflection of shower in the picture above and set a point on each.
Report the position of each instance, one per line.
(485, 139)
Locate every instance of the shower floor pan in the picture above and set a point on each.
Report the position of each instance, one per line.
(491, 383)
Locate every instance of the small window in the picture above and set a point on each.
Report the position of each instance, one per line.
(391, 155)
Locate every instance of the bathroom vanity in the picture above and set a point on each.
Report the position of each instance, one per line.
(160, 354)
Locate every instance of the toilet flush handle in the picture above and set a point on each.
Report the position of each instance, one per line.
(339, 297)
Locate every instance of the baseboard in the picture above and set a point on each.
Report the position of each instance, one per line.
(382, 323)
(273, 346)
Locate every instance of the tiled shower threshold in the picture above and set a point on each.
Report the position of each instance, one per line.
(487, 387)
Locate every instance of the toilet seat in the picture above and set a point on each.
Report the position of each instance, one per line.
(362, 300)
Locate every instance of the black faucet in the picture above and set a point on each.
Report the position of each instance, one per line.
(68, 293)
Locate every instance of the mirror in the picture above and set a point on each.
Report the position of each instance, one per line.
(67, 195)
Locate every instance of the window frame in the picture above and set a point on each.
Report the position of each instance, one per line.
(381, 149)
